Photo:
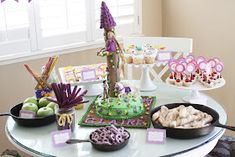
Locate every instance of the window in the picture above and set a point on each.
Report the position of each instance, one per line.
(14, 26)
(32, 28)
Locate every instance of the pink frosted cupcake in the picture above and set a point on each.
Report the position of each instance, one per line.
(178, 82)
(187, 82)
(171, 79)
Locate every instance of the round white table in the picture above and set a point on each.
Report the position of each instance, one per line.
(38, 142)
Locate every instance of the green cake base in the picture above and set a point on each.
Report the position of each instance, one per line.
(119, 108)
(92, 119)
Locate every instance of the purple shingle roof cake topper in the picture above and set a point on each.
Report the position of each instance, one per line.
(106, 19)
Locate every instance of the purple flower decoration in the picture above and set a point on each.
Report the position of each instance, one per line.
(147, 100)
(106, 19)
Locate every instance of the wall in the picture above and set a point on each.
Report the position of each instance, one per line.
(211, 25)
(17, 84)
(152, 17)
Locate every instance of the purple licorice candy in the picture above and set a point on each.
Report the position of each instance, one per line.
(66, 97)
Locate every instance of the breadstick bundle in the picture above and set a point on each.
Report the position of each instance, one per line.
(43, 87)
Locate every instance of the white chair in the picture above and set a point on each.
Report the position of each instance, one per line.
(182, 47)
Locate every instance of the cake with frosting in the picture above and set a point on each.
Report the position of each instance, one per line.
(119, 108)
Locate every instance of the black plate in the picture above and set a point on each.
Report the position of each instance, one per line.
(108, 148)
(35, 122)
(188, 133)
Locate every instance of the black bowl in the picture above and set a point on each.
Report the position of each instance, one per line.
(109, 148)
(181, 133)
(34, 122)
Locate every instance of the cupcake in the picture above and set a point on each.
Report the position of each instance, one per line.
(219, 78)
(171, 79)
(149, 58)
(178, 82)
(192, 78)
(209, 84)
(128, 58)
(204, 80)
(138, 59)
(187, 82)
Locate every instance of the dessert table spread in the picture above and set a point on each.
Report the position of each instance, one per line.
(38, 141)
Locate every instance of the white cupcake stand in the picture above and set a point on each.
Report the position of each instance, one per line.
(146, 83)
(183, 46)
(195, 95)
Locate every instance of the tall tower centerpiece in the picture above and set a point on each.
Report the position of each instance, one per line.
(119, 101)
(112, 49)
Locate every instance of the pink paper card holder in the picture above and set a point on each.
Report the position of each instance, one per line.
(88, 75)
(27, 114)
(200, 59)
(179, 68)
(202, 65)
(60, 137)
(219, 67)
(189, 58)
(212, 62)
(190, 68)
(156, 136)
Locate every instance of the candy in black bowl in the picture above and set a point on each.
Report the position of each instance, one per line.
(106, 139)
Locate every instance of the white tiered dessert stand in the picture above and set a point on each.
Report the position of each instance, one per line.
(195, 96)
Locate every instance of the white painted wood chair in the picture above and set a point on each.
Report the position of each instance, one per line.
(182, 47)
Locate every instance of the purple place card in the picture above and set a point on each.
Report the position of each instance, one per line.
(60, 137)
(27, 114)
(163, 56)
(88, 75)
(156, 136)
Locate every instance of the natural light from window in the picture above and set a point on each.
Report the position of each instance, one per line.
(43, 26)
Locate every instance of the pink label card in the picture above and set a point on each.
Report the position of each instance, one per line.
(190, 68)
(179, 68)
(27, 114)
(60, 137)
(181, 60)
(171, 62)
(208, 68)
(194, 62)
(212, 63)
(172, 66)
(156, 136)
(200, 59)
(88, 75)
(184, 63)
(189, 58)
(219, 67)
(202, 65)
(217, 60)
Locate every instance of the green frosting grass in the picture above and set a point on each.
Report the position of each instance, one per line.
(119, 108)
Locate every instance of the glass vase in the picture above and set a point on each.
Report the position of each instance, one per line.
(65, 119)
